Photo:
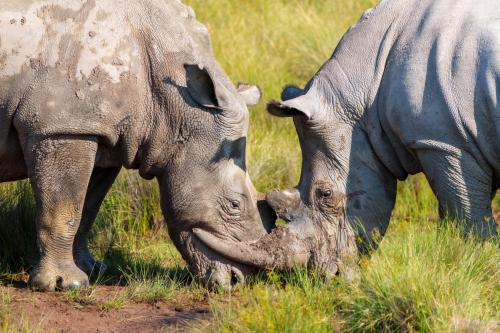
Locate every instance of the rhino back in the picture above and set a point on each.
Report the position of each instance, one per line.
(65, 67)
(441, 82)
(85, 67)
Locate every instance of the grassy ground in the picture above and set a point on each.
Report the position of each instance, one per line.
(421, 279)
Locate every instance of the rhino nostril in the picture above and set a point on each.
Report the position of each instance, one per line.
(237, 277)
(234, 279)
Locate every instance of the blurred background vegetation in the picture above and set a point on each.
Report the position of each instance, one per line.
(421, 279)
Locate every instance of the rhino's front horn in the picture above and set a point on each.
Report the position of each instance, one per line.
(244, 253)
(283, 248)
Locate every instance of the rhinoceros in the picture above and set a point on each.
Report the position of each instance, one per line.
(88, 87)
(413, 87)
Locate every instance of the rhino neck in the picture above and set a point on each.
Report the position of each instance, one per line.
(350, 81)
(371, 188)
(356, 68)
(169, 145)
(369, 183)
(351, 161)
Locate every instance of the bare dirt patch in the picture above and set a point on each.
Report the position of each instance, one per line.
(58, 312)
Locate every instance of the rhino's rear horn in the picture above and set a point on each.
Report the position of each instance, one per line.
(285, 203)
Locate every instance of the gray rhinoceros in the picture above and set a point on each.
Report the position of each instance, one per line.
(412, 87)
(87, 87)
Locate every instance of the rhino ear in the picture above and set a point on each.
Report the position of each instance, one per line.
(295, 103)
(250, 93)
(283, 110)
(289, 92)
(203, 89)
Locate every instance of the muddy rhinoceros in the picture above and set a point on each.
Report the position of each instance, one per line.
(412, 87)
(87, 87)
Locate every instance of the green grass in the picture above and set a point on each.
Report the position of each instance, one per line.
(17, 228)
(5, 301)
(299, 301)
(160, 275)
(420, 279)
(6, 326)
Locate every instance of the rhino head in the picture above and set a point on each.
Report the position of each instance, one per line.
(196, 145)
(203, 178)
(345, 195)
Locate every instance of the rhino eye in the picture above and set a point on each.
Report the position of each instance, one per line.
(325, 193)
(235, 204)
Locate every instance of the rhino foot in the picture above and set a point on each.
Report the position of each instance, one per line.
(57, 277)
(90, 266)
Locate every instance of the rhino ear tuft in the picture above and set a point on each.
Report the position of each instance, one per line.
(202, 88)
(290, 92)
(250, 93)
(282, 110)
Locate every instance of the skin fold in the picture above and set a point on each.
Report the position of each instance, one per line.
(87, 88)
(412, 87)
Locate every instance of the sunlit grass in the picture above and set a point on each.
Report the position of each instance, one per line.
(299, 301)
(5, 300)
(419, 280)
(21, 326)
(159, 276)
(7, 322)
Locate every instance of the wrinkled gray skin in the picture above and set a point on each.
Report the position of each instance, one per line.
(87, 87)
(412, 87)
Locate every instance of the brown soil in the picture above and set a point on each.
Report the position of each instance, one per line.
(56, 312)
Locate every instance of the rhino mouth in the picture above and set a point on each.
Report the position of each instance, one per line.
(214, 271)
(227, 273)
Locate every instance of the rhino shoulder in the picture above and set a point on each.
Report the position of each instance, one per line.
(173, 31)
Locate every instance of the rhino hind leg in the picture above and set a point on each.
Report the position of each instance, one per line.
(100, 183)
(12, 166)
(463, 189)
(60, 169)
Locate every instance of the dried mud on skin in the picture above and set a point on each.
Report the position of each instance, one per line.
(54, 312)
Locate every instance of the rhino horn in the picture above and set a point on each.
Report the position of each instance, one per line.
(283, 248)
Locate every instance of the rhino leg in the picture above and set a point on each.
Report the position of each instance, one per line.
(463, 189)
(59, 169)
(100, 183)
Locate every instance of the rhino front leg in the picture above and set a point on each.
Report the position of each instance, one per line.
(463, 189)
(100, 183)
(59, 170)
